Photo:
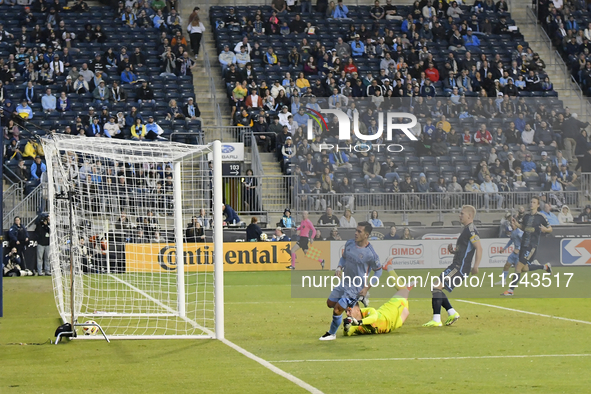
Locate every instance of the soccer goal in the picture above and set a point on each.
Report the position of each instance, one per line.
(121, 212)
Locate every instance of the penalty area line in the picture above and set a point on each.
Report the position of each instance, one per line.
(273, 368)
(526, 312)
(433, 358)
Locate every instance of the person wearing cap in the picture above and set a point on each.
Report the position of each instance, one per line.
(279, 236)
(111, 128)
(565, 176)
(471, 41)
(153, 130)
(144, 93)
(128, 76)
(191, 109)
(101, 94)
(116, 93)
(56, 65)
(95, 129)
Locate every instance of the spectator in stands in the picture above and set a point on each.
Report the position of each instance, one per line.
(585, 215)
(328, 218)
(374, 220)
(345, 189)
(565, 216)
(12, 151)
(483, 136)
(565, 176)
(347, 221)
(558, 160)
(63, 103)
(253, 231)
(144, 93)
(138, 130)
(392, 234)
(547, 211)
(371, 170)
(406, 234)
(101, 94)
(490, 190)
(111, 129)
(279, 236)
(286, 220)
(128, 76)
(528, 166)
(48, 102)
(23, 110)
(37, 169)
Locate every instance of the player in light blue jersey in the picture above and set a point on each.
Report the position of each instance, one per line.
(513, 259)
(359, 258)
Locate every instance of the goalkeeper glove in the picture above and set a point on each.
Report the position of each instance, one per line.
(356, 322)
(347, 324)
(339, 271)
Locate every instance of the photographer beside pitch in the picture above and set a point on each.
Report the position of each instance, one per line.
(467, 245)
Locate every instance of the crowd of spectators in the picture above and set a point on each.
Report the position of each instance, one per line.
(568, 24)
(489, 122)
(96, 72)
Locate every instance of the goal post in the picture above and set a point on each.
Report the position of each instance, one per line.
(145, 240)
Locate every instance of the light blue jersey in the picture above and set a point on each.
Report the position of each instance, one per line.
(514, 240)
(356, 262)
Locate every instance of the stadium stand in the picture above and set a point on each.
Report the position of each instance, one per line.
(139, 52)
(499, 97)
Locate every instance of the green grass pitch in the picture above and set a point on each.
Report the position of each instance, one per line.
(262, 318)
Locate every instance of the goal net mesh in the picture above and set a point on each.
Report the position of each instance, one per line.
(119, 213)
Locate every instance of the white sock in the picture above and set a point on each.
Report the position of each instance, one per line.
(451, 311)
(437, 318)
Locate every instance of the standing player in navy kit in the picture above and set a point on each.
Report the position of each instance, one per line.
(533, 225)
(467, 245)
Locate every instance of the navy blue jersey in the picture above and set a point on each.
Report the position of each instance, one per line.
(465, 246)
(531, 229)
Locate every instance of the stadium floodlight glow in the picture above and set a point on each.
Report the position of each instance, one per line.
(102, 270)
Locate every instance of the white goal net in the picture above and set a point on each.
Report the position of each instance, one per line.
(120, 214)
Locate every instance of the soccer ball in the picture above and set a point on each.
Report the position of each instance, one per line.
(264, 237)
(90, 330)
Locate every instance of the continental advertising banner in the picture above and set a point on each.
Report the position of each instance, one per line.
(238, 256)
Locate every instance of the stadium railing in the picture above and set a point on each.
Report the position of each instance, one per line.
(586, 184)
(271, 194)
(208, 71)
(13, 195)
(225, 133)
(439, 203)
(28, 208)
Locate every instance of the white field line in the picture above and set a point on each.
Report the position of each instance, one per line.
(432, 358)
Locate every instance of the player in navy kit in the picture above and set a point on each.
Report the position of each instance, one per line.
(467, 245)
(533, 225)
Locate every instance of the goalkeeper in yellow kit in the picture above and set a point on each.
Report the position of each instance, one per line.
(386, 318)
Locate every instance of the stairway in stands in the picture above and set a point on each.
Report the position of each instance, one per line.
(201, 79)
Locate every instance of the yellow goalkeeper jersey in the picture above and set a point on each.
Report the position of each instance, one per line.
(383, 320)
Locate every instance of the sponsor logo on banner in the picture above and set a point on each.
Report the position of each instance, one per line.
(244, 256)
(575, 252)
(496, 255)
(405, 255)
(231, 152)
(445, 256)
